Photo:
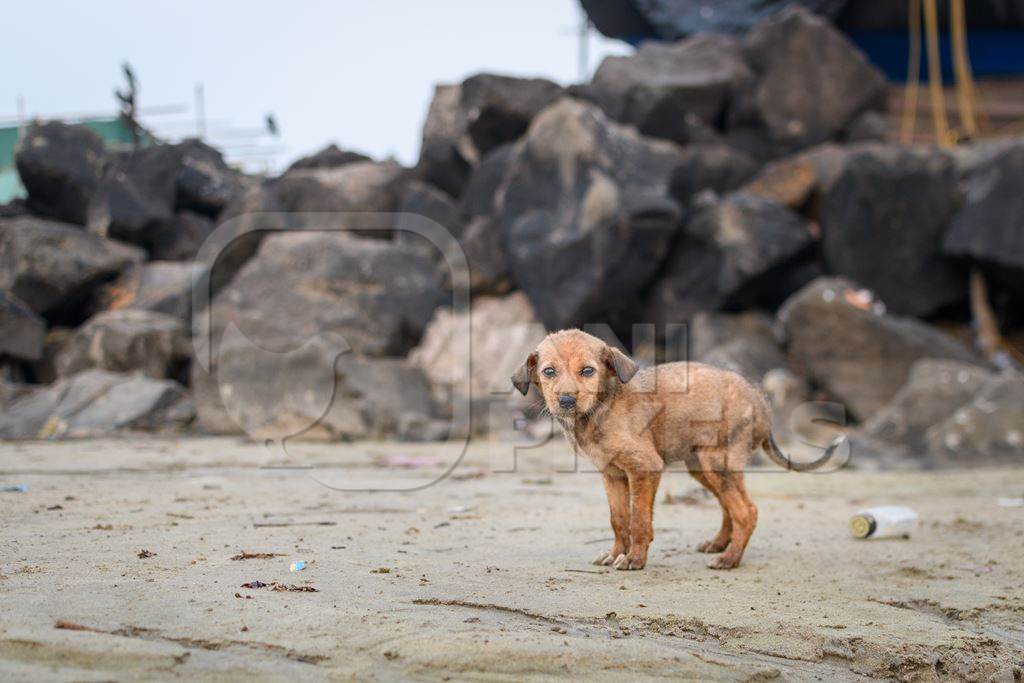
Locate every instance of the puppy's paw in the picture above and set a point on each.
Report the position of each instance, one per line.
(723, 561)
(626, 562)
(604, 559)
(712, 546)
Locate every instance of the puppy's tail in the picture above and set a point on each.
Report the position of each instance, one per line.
(783, 460)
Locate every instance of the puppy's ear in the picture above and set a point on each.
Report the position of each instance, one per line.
(521, 378)
(621, 364)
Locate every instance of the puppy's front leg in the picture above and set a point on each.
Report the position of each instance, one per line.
(617, 487)
(643, 488)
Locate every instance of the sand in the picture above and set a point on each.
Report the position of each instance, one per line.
(485, 574)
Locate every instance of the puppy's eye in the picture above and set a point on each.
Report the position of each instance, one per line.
(587, 371)
(549, 372)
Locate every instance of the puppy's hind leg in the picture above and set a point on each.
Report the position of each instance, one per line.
(720, 540)
(744, 519)
(616, 486)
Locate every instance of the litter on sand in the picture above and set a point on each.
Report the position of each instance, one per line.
(889, 521)
(254, 556)
(280, 587)
(1011, 502)
(298, 565)
(16, 488)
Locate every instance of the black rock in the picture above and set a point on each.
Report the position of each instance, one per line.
(365, 186)
(842, 339)
(316, 390)
(205, 183)
(728, 250)
(895, 436)
(54, 267)
(127, 340)
(468, 120)
(710, 167)
(883, 221)
(159, 286)
(585, 217)
(97, 403)
(377, 294)
(488, 267)
(812, 82)
(659, 86)
(422, 199)
(989, 229)
(60, 166)
(330, 156)
(21, 330)
(480, 194)
(708, 331)
(798, 181)
(180, 238)
(141, 189)
(989, 430)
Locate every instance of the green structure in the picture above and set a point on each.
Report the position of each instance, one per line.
(114, 131)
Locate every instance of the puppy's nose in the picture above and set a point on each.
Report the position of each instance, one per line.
(566, 402)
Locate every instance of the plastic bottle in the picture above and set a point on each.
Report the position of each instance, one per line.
(889, 521)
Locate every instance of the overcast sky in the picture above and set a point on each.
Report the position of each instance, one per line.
(357, 73)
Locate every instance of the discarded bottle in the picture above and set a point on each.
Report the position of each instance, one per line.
(888, 521)
(298, 566)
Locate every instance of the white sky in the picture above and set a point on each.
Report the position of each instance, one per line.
(359, 73)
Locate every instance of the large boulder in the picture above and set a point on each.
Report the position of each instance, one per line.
(895, 436)
(180, 238)
(97, 403)
(812, 82)
(799, 180)
(154, 344)
(585, 216)
(251, 216)
(159, 286)
(841, 338)
(883, 220)
(503, 331)
(317, 390)
(60, 166)
(719, 168)
(729, 250)
(988, 430)
(744, 343)
(44, 370)
(422, 199)
(53, 267)
(659, 86)
(481, 236)
(488, 268)
(205, 183)
(141, 189)
(359, 186)
(21, 330)
(379, 295)
(479, 198)
(330, 156)
(989, 229)
(468, 120)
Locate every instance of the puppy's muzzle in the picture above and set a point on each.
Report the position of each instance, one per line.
(566, 402)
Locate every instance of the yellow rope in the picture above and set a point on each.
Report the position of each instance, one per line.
(913, 74)
(961, 62)
(931, 27)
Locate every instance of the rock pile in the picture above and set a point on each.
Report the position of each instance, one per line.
(730, 201)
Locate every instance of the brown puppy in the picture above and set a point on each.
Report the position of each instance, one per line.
(631, 423)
